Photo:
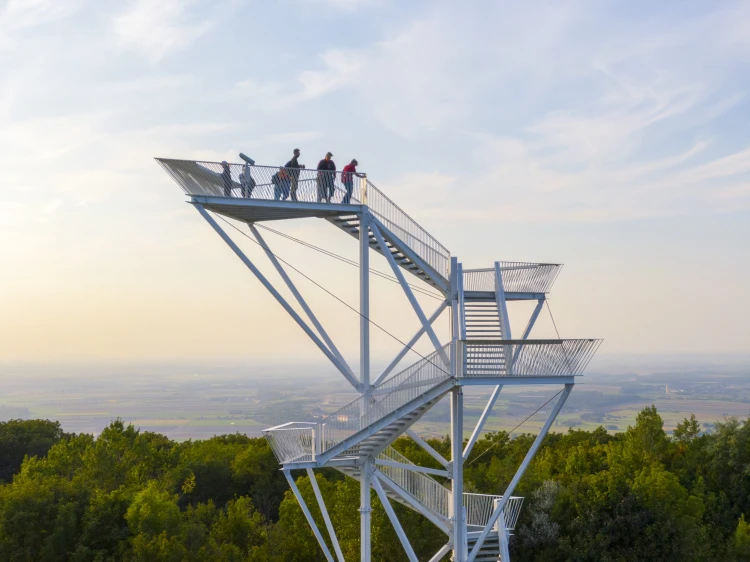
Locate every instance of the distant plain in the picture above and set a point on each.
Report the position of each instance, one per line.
(196, 403)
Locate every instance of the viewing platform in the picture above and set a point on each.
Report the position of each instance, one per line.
(251, 194)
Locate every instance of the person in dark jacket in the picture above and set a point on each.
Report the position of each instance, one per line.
(326, 178)
(347, 178)
(280, 181)
(293, 172)
(226, 178)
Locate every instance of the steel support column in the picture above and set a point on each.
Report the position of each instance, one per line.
(365, 509)
(457, 476)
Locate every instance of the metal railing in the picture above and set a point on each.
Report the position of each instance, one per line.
(309, 186)
(524, 358)
(428, 491)
(264, 182)
(409, 231)
(292, 444)
(437, 497)
(293, 441)
(479, 508)
(390, 395)
(518, 277)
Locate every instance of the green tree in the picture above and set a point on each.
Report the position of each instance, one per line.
(19, 438)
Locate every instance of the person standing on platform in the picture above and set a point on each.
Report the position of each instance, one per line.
(326, 178)
(293, 172)
(226, 178)
(280, 181)
(247, 183)
(347, 178)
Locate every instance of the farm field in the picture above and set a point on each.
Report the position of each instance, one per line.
(200, 405)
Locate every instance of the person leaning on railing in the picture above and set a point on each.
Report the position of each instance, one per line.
(293, 171)
(226, 178)
(347, 178)
(326, 178)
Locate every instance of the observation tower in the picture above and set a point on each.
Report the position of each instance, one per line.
(356, 440)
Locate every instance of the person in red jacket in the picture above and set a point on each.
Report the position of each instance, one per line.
(347, 178)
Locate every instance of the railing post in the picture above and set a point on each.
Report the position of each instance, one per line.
(314, 442)
(363, 191)
(317, 440)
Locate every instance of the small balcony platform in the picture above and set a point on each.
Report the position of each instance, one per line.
(521, 281)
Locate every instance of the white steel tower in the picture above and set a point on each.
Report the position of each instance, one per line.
(357, 438)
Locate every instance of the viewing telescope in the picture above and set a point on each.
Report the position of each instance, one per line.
(247, 159)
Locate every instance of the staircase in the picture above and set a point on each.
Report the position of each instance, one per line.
(434, 496)
(490, 551)
(482, 319)
(370, 422)
(401, 253)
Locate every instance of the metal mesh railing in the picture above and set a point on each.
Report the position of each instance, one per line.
(264, 182)
(309, 186)
(493, 358)
(437, 497)
(298, 442)
(518, 277)
(409, 231)
(479, 507)
(293, 441)
(428, 491)
(399, 390)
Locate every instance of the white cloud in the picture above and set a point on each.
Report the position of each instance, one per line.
(341, 68)
(18, 15)
(158, 28)
(344, 5)
(299, 137)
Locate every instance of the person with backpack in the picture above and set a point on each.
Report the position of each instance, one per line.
(326, 178)
(280, 181)
(347, 178)
(293, 168)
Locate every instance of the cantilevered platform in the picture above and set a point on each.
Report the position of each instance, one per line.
(259, 210)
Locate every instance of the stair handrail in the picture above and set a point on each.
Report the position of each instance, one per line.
(408, 230)
(436, 497)
(302, 441)
(220, 179)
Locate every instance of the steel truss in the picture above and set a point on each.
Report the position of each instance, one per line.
(371, 467)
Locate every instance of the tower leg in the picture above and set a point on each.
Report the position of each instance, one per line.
(365, 510)
(503, 539)
(457, 445)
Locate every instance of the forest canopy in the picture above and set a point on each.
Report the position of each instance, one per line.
(590, 496)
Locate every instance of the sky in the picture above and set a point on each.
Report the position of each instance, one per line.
(612, 137)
